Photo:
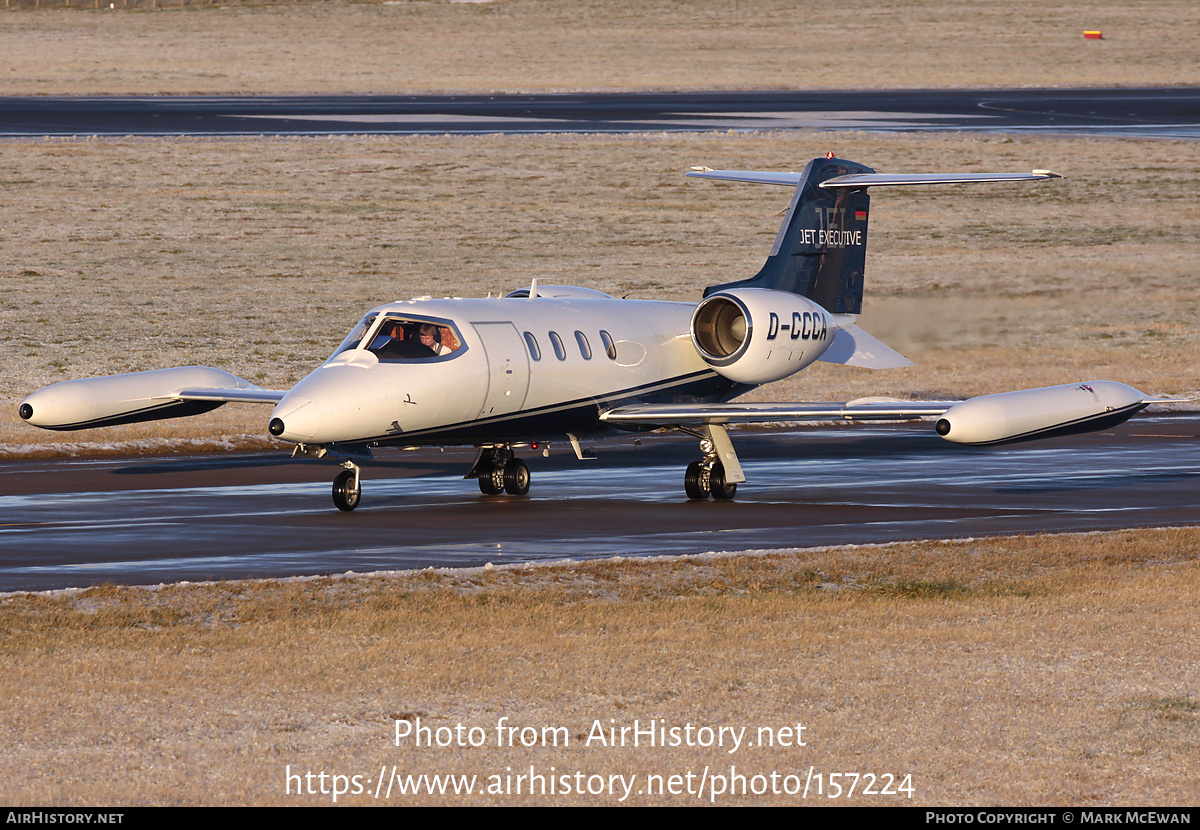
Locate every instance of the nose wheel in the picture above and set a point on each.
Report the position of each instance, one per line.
(347, 488)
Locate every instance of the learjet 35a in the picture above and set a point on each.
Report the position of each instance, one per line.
(554, 362)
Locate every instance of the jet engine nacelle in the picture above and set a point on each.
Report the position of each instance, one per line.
(124, 399)
(757, 335)
(1040, 413)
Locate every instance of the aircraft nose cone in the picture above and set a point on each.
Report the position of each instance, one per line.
(25, 411)
(295, 419)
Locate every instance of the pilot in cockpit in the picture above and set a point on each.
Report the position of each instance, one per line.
(397, 341)
(431, 336)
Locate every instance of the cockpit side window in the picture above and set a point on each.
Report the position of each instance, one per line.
(413, 338)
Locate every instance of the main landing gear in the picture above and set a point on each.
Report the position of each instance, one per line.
(705, 478)
(499, 472)
(716, 474)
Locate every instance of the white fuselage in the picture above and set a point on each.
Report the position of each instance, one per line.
(521, 370)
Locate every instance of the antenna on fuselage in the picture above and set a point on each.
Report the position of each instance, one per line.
(533, 288)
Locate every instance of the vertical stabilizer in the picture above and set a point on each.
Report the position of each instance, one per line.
(821, 248)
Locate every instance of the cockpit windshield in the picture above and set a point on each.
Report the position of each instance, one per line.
(356, 334)
(404, 338)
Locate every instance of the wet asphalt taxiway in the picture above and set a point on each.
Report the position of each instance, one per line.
(162, 519)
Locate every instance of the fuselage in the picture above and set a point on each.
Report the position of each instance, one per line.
(509, 370)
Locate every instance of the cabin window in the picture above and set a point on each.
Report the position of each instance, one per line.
(585, 348)
(560, 351)
(412, 338)
(531, 342)
(610, 348)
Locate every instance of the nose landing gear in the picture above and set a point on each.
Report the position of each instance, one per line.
(347, 487)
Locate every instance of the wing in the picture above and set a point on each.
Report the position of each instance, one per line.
(988, 419)
(139, 396)
(985, 420)
(712, 418)
(252, 394)
(863, 409)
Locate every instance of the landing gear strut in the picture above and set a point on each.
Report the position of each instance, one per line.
(347, 487)
(709, 475)
(499, 472)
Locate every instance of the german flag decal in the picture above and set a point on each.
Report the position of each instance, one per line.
(860, 216)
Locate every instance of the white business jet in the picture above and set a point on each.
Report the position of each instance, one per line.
(554, 362)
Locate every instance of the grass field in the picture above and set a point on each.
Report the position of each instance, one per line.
(1033, 670)
(550, 45)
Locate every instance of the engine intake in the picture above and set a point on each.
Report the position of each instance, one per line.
(758, 335)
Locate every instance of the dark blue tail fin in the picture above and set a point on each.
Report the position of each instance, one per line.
(821, 248)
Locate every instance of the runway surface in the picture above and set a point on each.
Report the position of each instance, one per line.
(81, 522)
(1158, 112)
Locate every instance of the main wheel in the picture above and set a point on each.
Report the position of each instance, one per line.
(516, 477)
(491, 480)
(721, 489)
(346, 493)
(695, 481)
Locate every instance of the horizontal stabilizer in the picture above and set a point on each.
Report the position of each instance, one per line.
(860, 180)
(886, 179)
(854, 347)
(751, 176)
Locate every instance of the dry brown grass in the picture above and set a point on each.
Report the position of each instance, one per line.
(545, 45)
(1030, 670)
(256, 255)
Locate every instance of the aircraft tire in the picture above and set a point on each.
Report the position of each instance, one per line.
(516, 477)
(695, 481)
(345, 495)
(488, 484)
(721, 489)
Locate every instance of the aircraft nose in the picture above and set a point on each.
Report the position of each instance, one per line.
(295, 419)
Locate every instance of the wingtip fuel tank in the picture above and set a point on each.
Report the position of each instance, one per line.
(124, 399)
(1040, 413)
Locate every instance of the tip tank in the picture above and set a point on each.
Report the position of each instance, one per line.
(1041, 413)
